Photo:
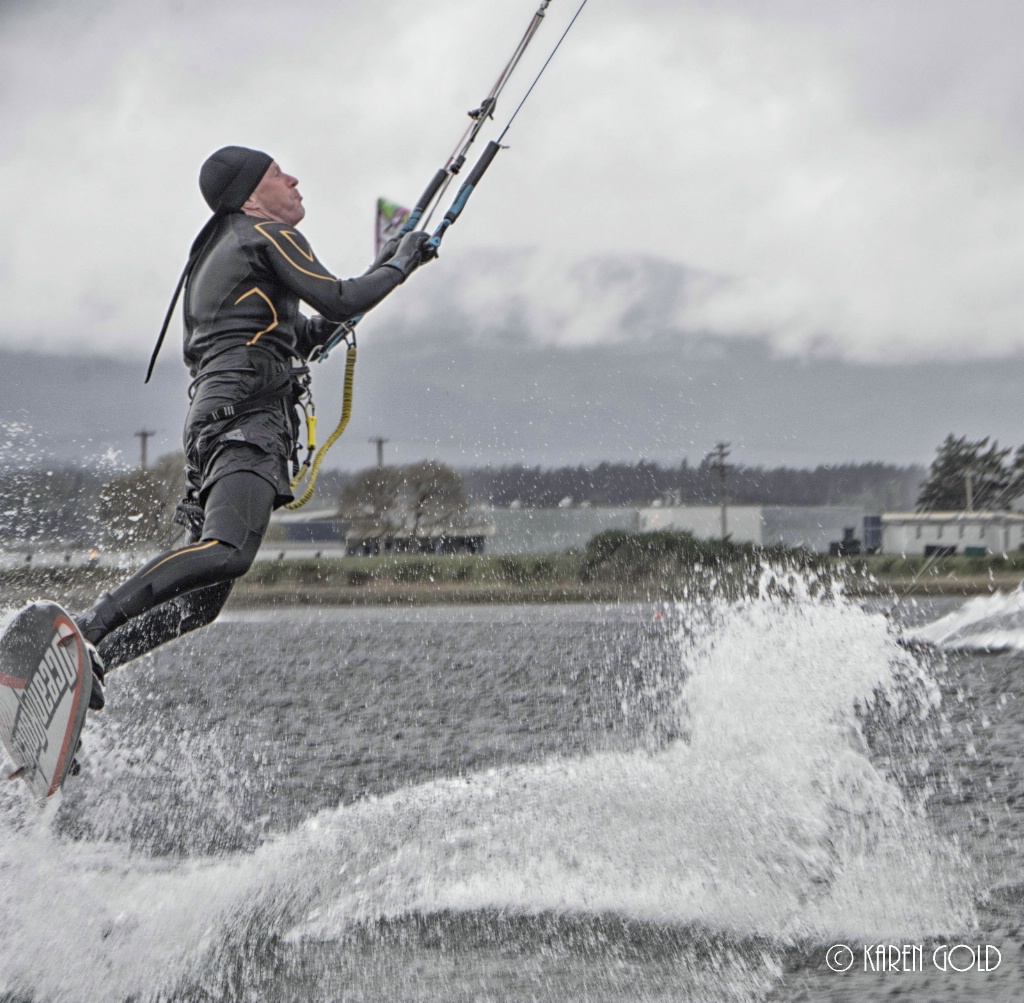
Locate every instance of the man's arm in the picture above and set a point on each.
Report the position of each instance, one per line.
(312, 332)
(298, 268)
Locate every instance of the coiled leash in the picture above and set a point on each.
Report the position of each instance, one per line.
(433, 192)
(315, 457)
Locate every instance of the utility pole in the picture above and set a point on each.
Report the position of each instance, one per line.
(969, 479)
(720, 452)
(380, 448)
(144, 435)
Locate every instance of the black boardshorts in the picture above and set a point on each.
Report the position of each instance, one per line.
(261, 441)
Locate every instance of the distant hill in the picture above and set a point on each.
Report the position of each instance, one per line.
(86, 409)
(475, 400)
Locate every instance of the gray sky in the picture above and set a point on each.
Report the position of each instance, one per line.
(840, 180)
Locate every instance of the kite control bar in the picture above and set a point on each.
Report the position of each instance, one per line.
(347, 331)
(490, 152)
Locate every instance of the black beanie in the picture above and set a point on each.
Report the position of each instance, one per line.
(228, 177)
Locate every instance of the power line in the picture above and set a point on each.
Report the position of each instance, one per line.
(144, 435)
(718, 456)
(380, 448)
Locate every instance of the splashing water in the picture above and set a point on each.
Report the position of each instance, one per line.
(765, 826)
(990, 623)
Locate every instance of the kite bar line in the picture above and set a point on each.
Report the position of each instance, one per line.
(486, 109)
(492, 148)
(434, 191)
(440, 181)
(568, 28)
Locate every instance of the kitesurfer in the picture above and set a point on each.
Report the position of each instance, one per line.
(244, 339)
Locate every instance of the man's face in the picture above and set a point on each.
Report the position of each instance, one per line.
(277, 197)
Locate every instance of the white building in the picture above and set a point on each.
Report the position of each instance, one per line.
(972, 533)
(812, 527)
(536, 531)
(553, 530)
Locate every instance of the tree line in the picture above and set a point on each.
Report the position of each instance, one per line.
(72, 506)
(77, 506)
(873, 485)
(82, 507)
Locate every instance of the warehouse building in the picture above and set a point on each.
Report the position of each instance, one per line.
(973, 534)
(554, 530)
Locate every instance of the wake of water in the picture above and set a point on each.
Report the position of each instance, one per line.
(764, 828)
(985, 624)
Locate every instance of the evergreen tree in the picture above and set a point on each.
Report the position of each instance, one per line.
(960, 462)
(1016, 486)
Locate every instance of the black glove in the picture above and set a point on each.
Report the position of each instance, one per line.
(411, 252)
(386, 252)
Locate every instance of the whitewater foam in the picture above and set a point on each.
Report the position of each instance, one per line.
(768, 820)
(991, 623)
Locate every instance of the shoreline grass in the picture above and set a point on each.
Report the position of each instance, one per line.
(615, 567)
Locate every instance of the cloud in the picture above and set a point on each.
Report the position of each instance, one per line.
(835, 179)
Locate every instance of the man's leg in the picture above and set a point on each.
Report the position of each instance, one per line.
(237, 512)
(163, 623)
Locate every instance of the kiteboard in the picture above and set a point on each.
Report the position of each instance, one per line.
(45, 684)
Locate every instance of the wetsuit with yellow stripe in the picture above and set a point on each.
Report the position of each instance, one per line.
(242, 329)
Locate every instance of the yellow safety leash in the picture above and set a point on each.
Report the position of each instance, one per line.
(313, 468)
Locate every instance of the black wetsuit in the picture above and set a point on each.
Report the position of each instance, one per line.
(243, 328)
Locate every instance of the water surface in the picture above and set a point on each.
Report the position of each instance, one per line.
(631, 802)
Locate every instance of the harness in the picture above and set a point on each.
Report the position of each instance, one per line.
(283, 387)
(292, 385)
